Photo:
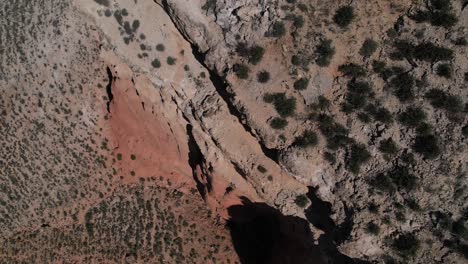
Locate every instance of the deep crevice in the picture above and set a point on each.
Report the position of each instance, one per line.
(110, 96)
(220, 84)
(196, 159)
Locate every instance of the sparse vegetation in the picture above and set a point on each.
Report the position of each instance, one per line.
(412, 117)
(301, 201)
(278, 123)
(242, 71)
(301, 84)
(324, 53)
(357, 157)
(284, 106)
(368, 47)
(406, 244)
(444, 70)
(171, 60)
(344, 16)
(160, 47)
(263, 77)
(307, 139)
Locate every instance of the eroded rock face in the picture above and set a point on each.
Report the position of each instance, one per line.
(178, 131)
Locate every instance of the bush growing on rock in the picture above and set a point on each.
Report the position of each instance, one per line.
(357, 157)
(368, 47)
(278, 123)
(402, 87)
(283, 105)
(439, 14)
(277, 29)
(388, 146)
(412, 116)
(301, 84)
(372, 228)
(307, 139)
(263, 77)
(444, 70)
(335, 133)
(301, 201)
(427, 146)
(405, 244)
(352, 70)
(443, 100)
(324, 53)
(357, 96)
(425, 51)
(344, 16)
(242, 71)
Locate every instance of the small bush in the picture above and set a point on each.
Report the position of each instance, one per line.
(263, 77)
(242, 71)
(119, 156)
(378, 66)
(443, 100)
(307, 139)
(277, 29)
(412, 116)
(171, 60)
(132, 157)
(406, 244)
(301, 201)
(424, 129)
(372, 228)
(368, 47)
(358, 156)
(324, 52)
(278, 123)
(301, 84)
(388, 146)
(444, 70)
(103, 2)
(431, 53)
(402, 87)
(254, 53)
(156, 63)
(330, 157)
(344, 16)
(335, 133)
(402, 178)
(300, 59)
(357, 96)
(284, 106)
(160, 47)
(427, 146)
(380, 114)
(352, 70)
(261, 169)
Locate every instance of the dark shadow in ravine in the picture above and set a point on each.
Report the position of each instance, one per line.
(263, 235)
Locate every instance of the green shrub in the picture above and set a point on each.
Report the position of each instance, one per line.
(382, 183)
(372, 228)
(388, 146)
(344, 16)
(352, 70)
(254, 53)
(443, 100)
(209, 4)
(156, 63)
(358, 156)
(133, 157)
(330, 157)
(368, 47)
(103, 2)
(402, 87)
(242, 71)
(324, 53)
(380, 114)
(278, 123)
(405, 244)
(335, 133)
(439, 14)
(261, 169)
(424, 129)
(357, 96)
(431, 53)
(160, 47)
(119, 156)
(284, 106)
(277, 29)
(301, 84)
(307, 139)
(302, 7)
(378, 66)
(171, 60)
(412, 116)
(301, 201)
(263, 76)
(444, 70)
(402, 178)
(427, 146)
